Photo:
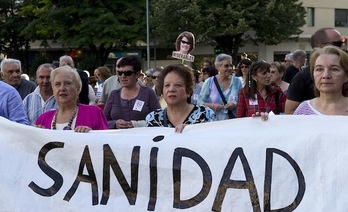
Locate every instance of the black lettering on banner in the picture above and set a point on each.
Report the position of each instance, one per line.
(110, 161)
(53, 174)
(90, 178)
(158, 138)
(179, 153)
(268, 181)
(226, 182)
(153, 179)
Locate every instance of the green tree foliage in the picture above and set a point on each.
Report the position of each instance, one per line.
(98, 26)
(12, 43)
(228, 24)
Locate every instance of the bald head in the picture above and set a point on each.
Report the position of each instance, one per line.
(326, 36)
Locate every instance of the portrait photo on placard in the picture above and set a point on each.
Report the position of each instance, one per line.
(185, 43)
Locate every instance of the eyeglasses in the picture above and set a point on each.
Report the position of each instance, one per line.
(244, 67)
(338, 43)
(154, 77)
(228, 66)
(185, 42)
(126, 73)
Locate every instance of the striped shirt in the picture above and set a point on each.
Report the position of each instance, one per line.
(34, 105)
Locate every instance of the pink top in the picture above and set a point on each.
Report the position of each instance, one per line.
(87, 115)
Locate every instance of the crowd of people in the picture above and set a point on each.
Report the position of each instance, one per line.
(177, 95)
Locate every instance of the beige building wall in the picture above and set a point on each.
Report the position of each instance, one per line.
(324, 17)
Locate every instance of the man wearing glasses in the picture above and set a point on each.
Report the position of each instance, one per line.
(288, 60)
(301, 86)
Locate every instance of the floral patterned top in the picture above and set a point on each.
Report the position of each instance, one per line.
(199, 114)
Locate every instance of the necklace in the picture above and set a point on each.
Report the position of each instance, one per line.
(54, 123)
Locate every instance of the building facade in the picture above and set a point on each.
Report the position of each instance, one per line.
(320, 13)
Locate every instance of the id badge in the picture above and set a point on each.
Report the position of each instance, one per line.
(138, 106)
(253, 101)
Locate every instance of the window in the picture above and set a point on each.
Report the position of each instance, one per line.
(341, 17)
(310, 16)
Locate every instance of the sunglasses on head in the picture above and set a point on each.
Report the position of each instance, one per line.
(185, 42)
(126, 73)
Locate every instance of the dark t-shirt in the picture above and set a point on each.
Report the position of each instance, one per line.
(25, 87)
(290, 73)
(301, 87)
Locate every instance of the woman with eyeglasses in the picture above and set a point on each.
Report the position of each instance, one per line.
(243, 70)
(128, 106)
(220, 92)
(207, 72)
(70, 115)
(259, 95)
(156, 73)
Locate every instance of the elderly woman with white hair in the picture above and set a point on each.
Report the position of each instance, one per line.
(220, 92)
(66, 86)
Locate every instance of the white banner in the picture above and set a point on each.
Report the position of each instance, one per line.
(288, 162)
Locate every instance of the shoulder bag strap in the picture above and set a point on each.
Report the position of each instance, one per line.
(220, 91)
(230, 114)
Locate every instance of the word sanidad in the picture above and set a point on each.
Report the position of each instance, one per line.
(131, 189)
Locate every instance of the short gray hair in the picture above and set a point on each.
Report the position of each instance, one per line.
(222, 57)
(298, 54)
(289, 56)
(69, 61)
(10, 60)
(45, 65)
